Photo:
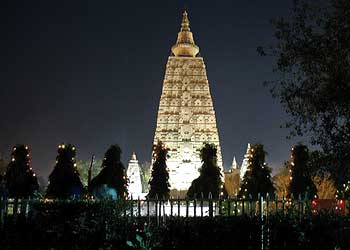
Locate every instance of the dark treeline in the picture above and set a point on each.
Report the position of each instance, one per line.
(20, 181)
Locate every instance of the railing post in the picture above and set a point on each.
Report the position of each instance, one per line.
(250, 205)
(236, 206)
(139, 206)
(228, 206)
(267, 204)
(243, 207)
(2, 210)
(300, 206)
(187, 204)
(261, 215)
(267, 221)
(147, 202)
(156, 209)
(201, 204)
(276, 204)
(178, 206)
(283, 201)
(171, 206)
(210, 205)
(194, 206)
(164, 215)
(131, 207)
(160, 208)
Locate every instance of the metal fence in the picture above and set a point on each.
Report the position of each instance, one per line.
(159, 210)
(196, 207)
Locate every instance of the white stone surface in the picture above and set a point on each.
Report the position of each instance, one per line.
(245, 162)
(186, 118)
(134, 176)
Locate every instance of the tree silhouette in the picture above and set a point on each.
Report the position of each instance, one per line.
(64, 180)
(159, 182)
(83, 169)
(3, 166)
(311, 54)
(325, 187)
(209, 180)
(300, 180)
(111, 182)
(20, 178)
(257, 178)
(281, 180)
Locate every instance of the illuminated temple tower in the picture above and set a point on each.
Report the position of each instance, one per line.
(186, 116)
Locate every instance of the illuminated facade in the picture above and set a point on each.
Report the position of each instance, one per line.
(133, 174)
(186, 116)
(245, 162)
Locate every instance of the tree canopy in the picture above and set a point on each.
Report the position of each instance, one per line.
(312, 60)
(20, 178)
(159, 182)
(301, 179)
(209, 180)
(112, 177)
(257, 179)
(64, 180)
(83, 169)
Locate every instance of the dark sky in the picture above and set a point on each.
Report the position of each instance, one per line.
(91, 72)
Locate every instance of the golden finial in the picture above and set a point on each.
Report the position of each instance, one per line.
(185, 24)
(185, 45)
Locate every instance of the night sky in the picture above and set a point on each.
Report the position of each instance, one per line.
(90, 73)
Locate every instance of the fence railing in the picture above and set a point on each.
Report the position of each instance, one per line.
(161, 208)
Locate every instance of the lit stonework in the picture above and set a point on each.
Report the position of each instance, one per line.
(186, 116)
(245, 162)
(133, 174)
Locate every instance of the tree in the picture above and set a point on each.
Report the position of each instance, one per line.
(209, 180)
(312, 55)
(3, 166)
(281, 180)
(232, 183)
(325, 187)
(20, 178)
(64, 180)
(111, 182)
(257, 178)
(300, 179)
(83, 169)
(159, 182)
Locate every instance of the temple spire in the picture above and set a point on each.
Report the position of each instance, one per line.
(133, 156)
(185, 24)
(185, 45)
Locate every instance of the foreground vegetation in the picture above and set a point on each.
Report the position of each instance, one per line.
(84, 225)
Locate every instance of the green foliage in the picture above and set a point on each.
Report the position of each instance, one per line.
(83, 169)
(343, 192)
(159, 182)
(113, 173)
(64, 180)
(20, 178)
(144, 240)
(91, 225)
(312, 54)
(257, 178)
(209, 180)
(301, 180)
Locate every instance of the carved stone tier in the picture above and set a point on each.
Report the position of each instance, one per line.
(186, 118)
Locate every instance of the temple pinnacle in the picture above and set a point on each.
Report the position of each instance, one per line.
(185, 24)
(185, 45)
(133, 156)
